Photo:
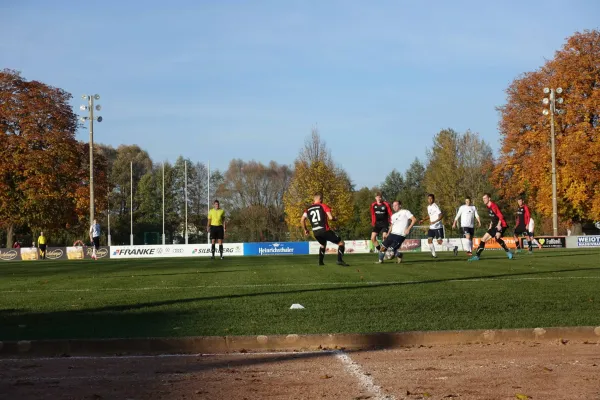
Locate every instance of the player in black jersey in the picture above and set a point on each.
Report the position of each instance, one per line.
(381, 215)
(319, 215)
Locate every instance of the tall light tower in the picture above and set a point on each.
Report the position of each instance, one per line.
(551, 101)
(90, 117)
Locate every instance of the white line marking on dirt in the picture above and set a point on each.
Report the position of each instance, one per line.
(267, 285)
(365, 381)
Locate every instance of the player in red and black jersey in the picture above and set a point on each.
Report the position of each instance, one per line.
(522, 222)
(497, 228)
(319, 215)
(381, 215)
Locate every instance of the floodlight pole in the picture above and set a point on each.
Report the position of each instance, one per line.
(91, 117)
(552, 141)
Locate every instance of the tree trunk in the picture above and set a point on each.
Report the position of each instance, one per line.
(9, 236)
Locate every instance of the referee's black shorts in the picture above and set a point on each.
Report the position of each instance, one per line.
(96, 240)
(217, 232)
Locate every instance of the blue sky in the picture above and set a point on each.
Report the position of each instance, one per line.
(237, 79)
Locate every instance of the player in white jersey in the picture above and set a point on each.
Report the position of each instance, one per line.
(530, 228)
(436, 228)
(402, 223)
(467, 214)
(95, 237)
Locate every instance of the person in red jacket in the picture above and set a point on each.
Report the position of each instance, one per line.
(497, 228)
(381, 214)
(522, 220)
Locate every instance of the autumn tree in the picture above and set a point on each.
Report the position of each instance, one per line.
(459, 165)
(525, 160)
(253, 198)
(315, 171)
(39, 156)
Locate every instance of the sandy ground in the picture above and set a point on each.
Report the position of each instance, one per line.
(500, 371)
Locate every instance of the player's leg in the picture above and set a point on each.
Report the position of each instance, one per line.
(502, 243)
(484, 239)
(374, 239)
(322, 246)
(468, 234)
(516, 236)
(397, 248)
(213, 241)
(430, 235)
(387, 243)
(334, 238)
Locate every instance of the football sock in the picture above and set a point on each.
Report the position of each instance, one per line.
(378, 247)
(381, 255)
(321, 254)
(518, 243)
(480, 248)
(501, 242)
(432, 248)
(470, 244)
(221, 250)
(212, 249)
(341, 250)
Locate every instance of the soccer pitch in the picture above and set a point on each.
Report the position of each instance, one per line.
(253, 295)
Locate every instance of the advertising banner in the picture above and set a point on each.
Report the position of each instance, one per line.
(493, 245)
(29, 253)
(588, 241)
(447, 245)
(181, 250)
(352, 247)
(75, 253)
(547, 242)
(56, 253)
(10, 254)
(275, 248)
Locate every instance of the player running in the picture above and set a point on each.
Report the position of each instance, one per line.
(436, 229)
(497, 228)
(467, 214)
(319, 215)
(400, 227)
(381, 214)
(523, 220)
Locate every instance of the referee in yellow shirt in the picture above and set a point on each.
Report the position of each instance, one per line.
(216, 228)
(42, 245)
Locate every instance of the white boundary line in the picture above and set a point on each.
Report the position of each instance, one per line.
(267, 285)
(364, 380)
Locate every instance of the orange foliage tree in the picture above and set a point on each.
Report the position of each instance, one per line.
(525, 160)
(39, 156)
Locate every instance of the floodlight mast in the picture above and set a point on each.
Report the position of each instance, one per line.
(551, 101)
(90, 108)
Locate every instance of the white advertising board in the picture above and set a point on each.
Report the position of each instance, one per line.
(462, 245)
(352, 247)
(175, 250)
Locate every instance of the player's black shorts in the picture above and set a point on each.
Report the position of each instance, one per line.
(393, 241)
(96, 241)
(468, 231)
(324, 236)
(380, 228)
(521, 230)
(436, 233)
(492, 232)
(217, 232)
(43, 247)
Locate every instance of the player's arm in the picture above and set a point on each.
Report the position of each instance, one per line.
(223, 222)
(496, 211)
(208, 222)
(477, 217)
(372, 214)
(527, 217)
(413, 221)
(389, 211)
(303, 223)
(458, 214)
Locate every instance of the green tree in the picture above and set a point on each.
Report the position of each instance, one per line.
(393, 186)
(314, 171)
(413, 195)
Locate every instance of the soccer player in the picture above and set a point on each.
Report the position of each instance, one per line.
(95, 238)
(523, 219)
(467, 214)
(319, 215)
(216, 228)
(400, 227)
(380, 219)
(436, 229)
(497, 228)
(530, 229)
(42, 245)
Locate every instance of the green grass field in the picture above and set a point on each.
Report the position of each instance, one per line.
(252, 295)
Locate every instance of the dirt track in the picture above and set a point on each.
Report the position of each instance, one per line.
(500, 371)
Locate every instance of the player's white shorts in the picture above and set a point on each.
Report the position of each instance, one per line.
(530, 226)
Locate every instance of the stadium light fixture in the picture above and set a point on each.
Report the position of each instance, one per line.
(551, 101)
(90, 108)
